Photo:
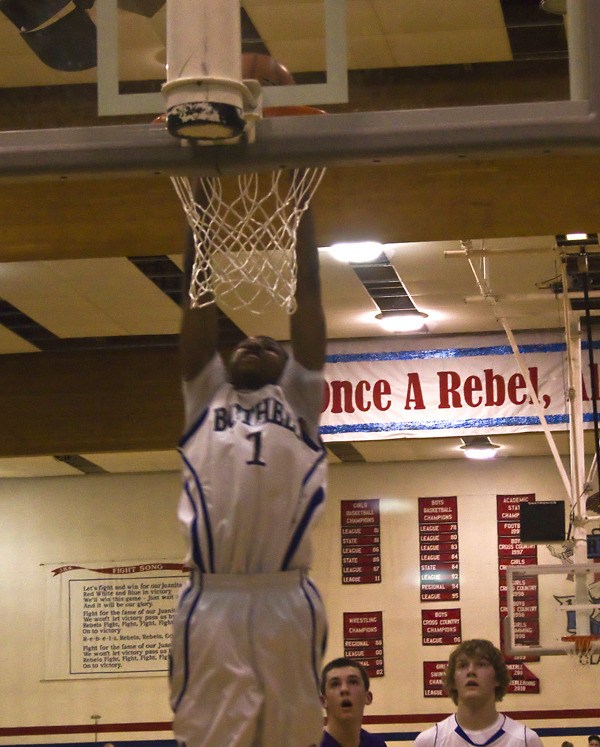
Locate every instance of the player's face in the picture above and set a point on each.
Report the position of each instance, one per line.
(475, 679)
(345, 696)
(256, 361)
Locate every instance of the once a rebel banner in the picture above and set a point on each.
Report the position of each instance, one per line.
(445, 387)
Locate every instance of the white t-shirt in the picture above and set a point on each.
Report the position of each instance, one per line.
(504, 732)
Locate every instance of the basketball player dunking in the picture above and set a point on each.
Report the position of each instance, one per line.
(249, 629)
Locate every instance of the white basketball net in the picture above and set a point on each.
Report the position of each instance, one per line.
(245, 244)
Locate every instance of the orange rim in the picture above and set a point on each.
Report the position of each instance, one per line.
(583, 643)
(291, 111)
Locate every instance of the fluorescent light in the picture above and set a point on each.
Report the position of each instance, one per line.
(559, 7)
(481, 453)
(356, 251)
(577, 239)
(479, 447)
(402, 321)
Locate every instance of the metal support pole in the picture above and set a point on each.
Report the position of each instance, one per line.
(577, 452)
(484, 289)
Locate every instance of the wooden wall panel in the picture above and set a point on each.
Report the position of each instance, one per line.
(421, 201)
(101, 401)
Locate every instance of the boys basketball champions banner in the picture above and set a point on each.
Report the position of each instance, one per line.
(426, 387)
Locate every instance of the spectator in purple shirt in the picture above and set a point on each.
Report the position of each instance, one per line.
(345, 693)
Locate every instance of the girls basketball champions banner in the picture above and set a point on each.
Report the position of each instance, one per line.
(425, 387)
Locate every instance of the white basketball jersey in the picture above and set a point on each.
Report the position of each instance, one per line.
(505, 732)
(253, 480)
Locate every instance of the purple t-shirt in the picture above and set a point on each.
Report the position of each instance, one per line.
(366, 740)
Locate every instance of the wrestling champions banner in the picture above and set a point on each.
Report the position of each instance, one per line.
(450, 386)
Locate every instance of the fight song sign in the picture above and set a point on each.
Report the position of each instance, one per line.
(385, 388)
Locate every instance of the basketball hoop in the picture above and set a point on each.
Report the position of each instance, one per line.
(245, 236)
(583, 649)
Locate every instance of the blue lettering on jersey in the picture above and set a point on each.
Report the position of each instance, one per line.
(268, 410)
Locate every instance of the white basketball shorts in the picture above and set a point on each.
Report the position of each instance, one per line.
(245, 661)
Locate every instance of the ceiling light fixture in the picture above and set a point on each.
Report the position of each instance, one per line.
(559, 7)
(356, 252)
(402, 321)
(577, 239)
(479, 447)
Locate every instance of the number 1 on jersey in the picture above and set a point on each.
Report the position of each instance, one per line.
(256, 437)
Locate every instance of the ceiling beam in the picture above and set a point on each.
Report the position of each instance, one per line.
(485, 198)
(90, 402)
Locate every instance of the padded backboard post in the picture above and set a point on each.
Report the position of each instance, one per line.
(204, 94)
(576, 22)
(112, 102)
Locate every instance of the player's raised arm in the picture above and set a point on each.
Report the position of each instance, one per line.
(199, 329)
(307, 323)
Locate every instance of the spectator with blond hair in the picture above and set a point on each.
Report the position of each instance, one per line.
(477, 678)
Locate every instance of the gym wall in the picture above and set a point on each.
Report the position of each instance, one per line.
(108, 519)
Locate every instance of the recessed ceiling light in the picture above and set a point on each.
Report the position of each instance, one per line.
(356, 251)
(577, 239)
(402, 321)
(479, 447)
(554, 6)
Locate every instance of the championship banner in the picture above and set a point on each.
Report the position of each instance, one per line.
(361, 549)
(426, 387)
(433, 679)
(438, 549)
(110, 620)
(363, 640)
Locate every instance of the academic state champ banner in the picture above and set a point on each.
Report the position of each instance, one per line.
(471, 385)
